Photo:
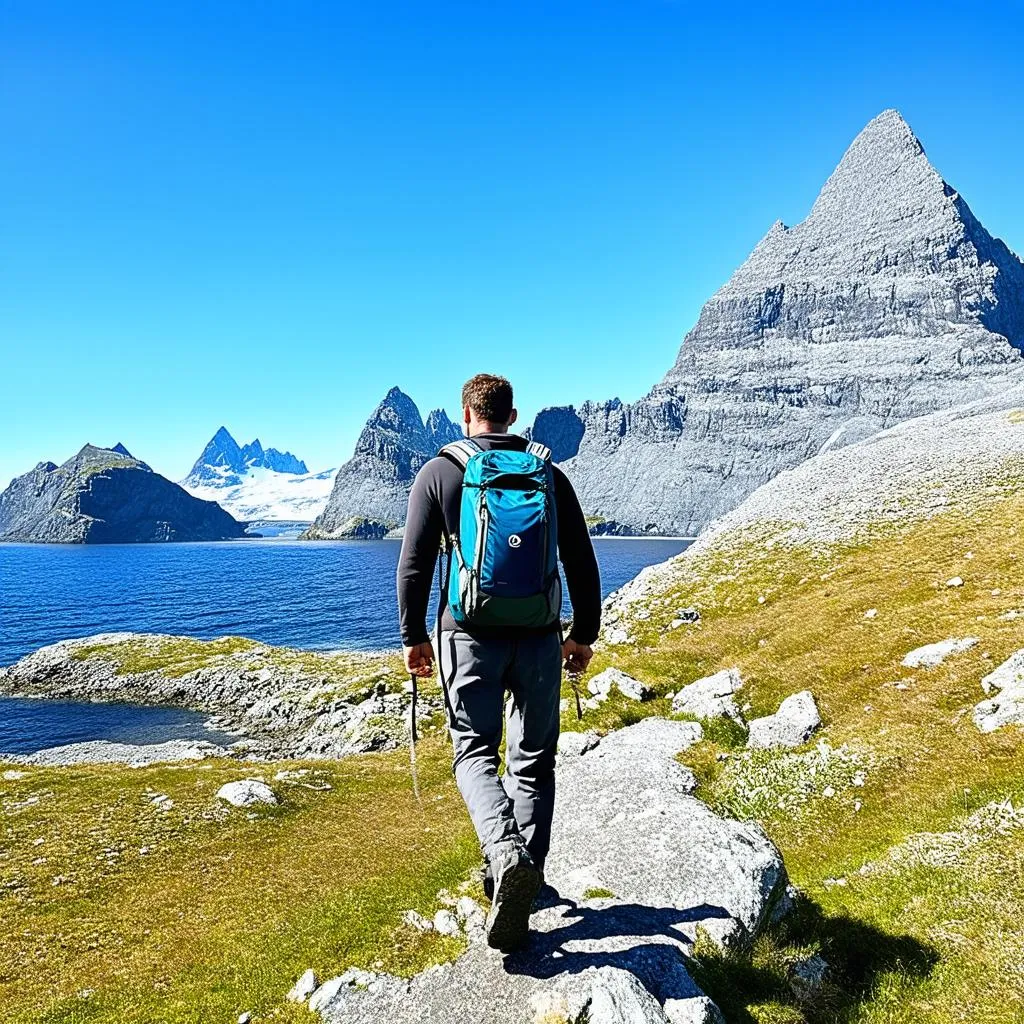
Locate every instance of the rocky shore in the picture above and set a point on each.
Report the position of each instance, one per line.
(282, 702)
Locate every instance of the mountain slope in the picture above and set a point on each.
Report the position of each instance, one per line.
(105, 496)
(889, 301)
(373, 486)
(253, 482)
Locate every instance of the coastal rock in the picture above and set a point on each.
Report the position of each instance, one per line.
(246, 793)
(374, 484)
(283, 703)
(711, 697)
(933, 655)
(793, 724)
(106, 496)
(133, 755)
(888, 302)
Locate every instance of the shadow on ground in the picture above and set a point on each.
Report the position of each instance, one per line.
(859, 956)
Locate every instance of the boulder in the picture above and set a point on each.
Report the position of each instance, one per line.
(710, 697)
(1006, 708)
(304, 987)
(793, 724)
(246, 793)
(933, 655)
(602, 684)
(1009, 675)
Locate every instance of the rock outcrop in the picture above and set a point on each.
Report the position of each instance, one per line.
(890, 301)
(560, 428)
(105, 496)
(283, 702)
(373, 486)
(926, 466)
(625, 823)
(253, 482)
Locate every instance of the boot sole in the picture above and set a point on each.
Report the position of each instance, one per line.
(508, 924)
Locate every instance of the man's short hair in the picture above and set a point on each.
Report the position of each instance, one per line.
(489, 397)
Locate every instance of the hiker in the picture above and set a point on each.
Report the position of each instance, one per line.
(506, 515)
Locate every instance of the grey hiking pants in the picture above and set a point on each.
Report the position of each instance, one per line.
(478, 674)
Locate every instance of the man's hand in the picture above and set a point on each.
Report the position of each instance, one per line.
(576, 656)
(419, 659)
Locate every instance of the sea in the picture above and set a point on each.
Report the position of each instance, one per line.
(324, 596)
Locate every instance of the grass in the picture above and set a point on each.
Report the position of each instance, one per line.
(226, 907)
(900, 756)
(177, 656)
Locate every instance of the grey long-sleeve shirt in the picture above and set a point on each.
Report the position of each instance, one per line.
(434, 507)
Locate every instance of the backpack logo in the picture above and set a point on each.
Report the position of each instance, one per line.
(515, 540)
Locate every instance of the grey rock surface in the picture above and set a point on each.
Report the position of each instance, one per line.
(106, 496)
(890, 301)
(1005, 708)
(625, 822)
(611, 678)
(246, 793)
(952, 460)
(1008, 675)
(793, 724)
(134, 755)
(933, 655)
(711, 697)
(374, 484)
(574, 744)
(560, 428)
(304, 987)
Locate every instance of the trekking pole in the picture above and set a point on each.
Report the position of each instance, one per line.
(574, 682)
(412, 741)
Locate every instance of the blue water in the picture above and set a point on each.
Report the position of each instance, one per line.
(296, 593)
(30, 725)
(314, 595)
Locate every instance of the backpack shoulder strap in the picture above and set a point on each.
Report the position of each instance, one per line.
(460, 452)
(542, 451)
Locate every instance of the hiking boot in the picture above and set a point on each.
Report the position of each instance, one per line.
(516, 884)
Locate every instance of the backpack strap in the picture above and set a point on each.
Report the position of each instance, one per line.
(542, 451)
(460, 452)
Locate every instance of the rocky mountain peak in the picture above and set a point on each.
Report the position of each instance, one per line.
(440, 429)
(888, 301)
(224, 461)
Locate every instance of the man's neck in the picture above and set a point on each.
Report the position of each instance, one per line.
(489, 428)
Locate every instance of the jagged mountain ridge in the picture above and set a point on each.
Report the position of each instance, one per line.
(374, 484)
(224, 461)
(889, 301)
(106, 496)
(253, 482)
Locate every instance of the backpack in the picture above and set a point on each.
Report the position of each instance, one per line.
(506, 548)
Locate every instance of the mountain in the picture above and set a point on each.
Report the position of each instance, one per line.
(889, 301)
(253, 482)
(105, 496)
(371, 489)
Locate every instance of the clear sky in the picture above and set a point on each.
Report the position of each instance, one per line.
(263, 215)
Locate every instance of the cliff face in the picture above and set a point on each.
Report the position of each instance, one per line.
(105, 496)
(889, 301)
(374, 484)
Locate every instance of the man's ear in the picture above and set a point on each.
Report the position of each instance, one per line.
(467, 415)
(513, 417)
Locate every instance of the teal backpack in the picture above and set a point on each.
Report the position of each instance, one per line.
(505, 555)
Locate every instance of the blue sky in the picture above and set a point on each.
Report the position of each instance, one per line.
(265, 215)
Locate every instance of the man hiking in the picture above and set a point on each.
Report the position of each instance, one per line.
(505, 515)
